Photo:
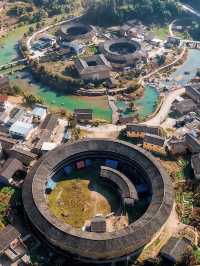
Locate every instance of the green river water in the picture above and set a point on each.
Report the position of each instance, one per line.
(145, 105)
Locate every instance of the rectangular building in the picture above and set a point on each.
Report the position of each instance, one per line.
(93, 68)
(25, 156)
(176, 249)
(177, 146)
(139, 130)
(193, 143)
(195, 163)
(20, 130)
(83, 115)
(184, 107)
(47, 127)
(154, 143)
(10, 167)
(39, 112)
(6, 142)
(16, 114)
(193, 91)
(8, 235)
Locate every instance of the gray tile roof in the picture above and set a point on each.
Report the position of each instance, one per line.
(175, 249)
(84, 66)
(185, 106)
(143, 128)
(154, 139)
(7, 235)
(50, 122)
(10, 167)
(98, 225)
(195, 162)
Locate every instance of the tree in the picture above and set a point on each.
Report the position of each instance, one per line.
(160, 59)
(30, 30)
(31, 99)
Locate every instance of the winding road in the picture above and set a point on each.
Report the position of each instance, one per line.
(165, 108)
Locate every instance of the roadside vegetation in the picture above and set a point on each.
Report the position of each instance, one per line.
(6, 194)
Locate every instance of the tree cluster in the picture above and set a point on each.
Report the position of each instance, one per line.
(106, 12)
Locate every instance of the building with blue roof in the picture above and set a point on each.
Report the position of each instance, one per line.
(20, 130)
(39, 112)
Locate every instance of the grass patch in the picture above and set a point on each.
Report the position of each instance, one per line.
(161, 32)
(80, 198)
(196, 253)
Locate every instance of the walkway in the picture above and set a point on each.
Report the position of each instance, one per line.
(113, 107)
(171, 33)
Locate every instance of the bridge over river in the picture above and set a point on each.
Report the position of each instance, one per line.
(13, 64)
(190, 44)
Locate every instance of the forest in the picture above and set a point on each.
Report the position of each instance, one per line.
(104, 12)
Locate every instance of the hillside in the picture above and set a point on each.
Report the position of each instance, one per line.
(117, 11)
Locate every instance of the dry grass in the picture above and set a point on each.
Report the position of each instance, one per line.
(74, 203)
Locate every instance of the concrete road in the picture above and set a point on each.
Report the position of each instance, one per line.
(165, 108)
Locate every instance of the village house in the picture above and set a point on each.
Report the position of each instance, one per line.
(98, 224)
(175, 41)
(176, 249)
(21, 130)
(93, 68)
(139, 130)
(46, 130)
(16, 114)
(193, 91)
(154, 143)
(193, 143)
(12, 249)
(48, 146)
(195, 163)
(9, 169)
(7, 142)
(83, 115)
(24, 156)
(8, 235)
(39, 112)
(177, 146)
(184, 107)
